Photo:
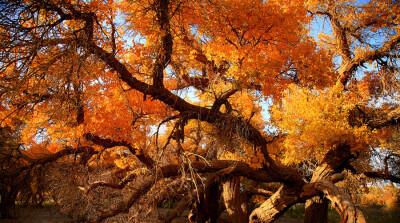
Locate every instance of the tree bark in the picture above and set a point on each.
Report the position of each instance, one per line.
(341, 202)
(236, 202)
(317, 207)
(316, 210)
(277, 204)
(206, 210)
(334, 161)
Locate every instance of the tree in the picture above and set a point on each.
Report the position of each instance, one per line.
(99, 77)
(9, 160)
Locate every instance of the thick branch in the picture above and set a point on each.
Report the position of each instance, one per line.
(392, 118)
(383, 176)
(350, 66)
(109, 143)
(163, 57)
(277, 204)
(119, 185)
(124, 206)
(242, 128)
(343, 45)
(49, 158)
(335, 161)
(341, 202)
(66, 151)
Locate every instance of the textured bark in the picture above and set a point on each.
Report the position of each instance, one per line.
(341, 202)
(316, 210)
(277, 204)
(206, 208)
(317, 207)
(211, 184)
(335, 160)
(236, 202)
(142, 188)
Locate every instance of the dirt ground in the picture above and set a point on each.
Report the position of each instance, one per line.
(53, 215)
(37, 215)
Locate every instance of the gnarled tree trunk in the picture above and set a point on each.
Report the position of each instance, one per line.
(341, 202)
(236, 202)
(277, 204)
(334, 162)
(206, 210)
(316, 210)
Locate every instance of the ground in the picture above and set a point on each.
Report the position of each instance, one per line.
(53, 215)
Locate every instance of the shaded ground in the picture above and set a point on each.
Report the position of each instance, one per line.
(293, 215)
(53, 215)
(37, 215)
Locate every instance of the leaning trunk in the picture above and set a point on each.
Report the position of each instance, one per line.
(277, 204)
(236, 203)
(341, 202)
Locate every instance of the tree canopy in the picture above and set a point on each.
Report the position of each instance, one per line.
(204, 101)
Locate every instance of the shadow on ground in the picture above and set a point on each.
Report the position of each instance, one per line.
(53, 215)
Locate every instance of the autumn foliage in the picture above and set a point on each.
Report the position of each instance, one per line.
(203, 102)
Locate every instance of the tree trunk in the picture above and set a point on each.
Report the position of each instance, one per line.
(341, 202)
(7, 203)
(317, 207)
(206, 210)
(277, 204)
(316, 210)
(334, 162)
(236, 203)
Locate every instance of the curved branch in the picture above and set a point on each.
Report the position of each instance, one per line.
(218, 119)
(350, 66)
(341, 202)
(392, 118)
(223, 99)
(383, 176)
(109, 143)
(49, 158)
(124, 206)
(119, 185)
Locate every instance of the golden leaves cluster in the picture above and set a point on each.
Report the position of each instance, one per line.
(315, 121)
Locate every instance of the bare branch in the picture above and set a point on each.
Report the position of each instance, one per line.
(119, 185)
